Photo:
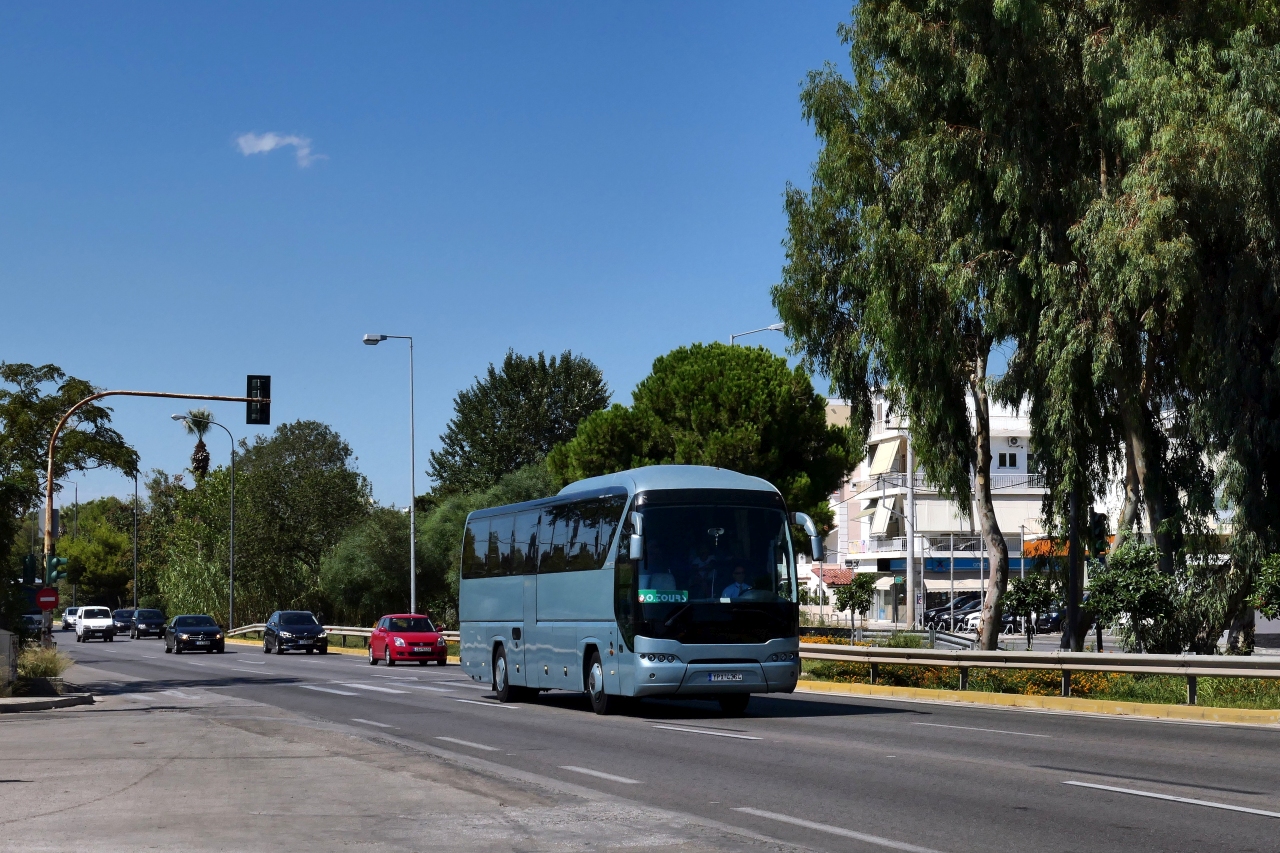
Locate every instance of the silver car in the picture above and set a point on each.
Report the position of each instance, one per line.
(69, 618)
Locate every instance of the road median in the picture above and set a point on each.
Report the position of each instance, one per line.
(1053, 703)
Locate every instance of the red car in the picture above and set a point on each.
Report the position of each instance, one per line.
(406, 637)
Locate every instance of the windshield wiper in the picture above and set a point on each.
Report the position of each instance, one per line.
(681, 609)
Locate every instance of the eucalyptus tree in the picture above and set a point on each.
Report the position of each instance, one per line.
(902, 269)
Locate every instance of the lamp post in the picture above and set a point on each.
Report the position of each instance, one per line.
(231, 548)
(135, 540)
(373, 341)
(776, 327)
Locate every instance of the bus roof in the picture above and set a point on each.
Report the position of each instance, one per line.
(671, 477)
(649, 478)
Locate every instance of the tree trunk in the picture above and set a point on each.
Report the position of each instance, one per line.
(1140, 435)
(998, 551)
(1132, 496)
(1072, 635)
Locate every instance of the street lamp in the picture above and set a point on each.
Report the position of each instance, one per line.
(373, 341)
(231, 577)
(776, 327)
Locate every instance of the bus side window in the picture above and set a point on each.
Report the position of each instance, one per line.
(552, 532)
(475, 544)
(524, 548)
(582, 531)
(501, 539)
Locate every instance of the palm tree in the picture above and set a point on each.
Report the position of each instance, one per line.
(197, 423)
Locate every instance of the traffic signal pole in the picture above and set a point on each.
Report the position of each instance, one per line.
(49, 555)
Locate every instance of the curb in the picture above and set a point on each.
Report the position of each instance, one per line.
(333, 650)
(43, 703)
(1053, 703)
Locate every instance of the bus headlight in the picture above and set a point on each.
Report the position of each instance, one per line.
(782, 656)
(660, 658)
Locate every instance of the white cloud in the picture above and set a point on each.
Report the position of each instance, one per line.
(261, 143)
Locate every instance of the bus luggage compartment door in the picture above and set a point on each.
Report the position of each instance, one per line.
(724, 678)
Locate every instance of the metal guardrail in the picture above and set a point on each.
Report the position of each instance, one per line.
(1189, 667)
(336, 630)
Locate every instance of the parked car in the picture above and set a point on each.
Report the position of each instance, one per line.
(35, 622)
(123, 620)
(191, 632)
(962, 612)
(1009, 624)
(941, 616)
(294, 630)
(69, 618)
(145, 623)
(95, 622)
(407, 637)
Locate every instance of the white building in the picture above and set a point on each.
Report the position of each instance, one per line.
(871, 507)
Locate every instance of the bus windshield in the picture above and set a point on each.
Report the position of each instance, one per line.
(715, 574)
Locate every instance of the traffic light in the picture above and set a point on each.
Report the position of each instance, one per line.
(259, 388)
(30, 565)
(53, 569)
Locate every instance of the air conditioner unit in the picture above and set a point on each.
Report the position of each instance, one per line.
(1013, 441)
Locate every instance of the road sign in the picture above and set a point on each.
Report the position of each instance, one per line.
(47, 599)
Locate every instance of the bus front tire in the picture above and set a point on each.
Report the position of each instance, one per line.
(734, 704)
(601, 702)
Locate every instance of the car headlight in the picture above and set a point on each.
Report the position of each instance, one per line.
(184, 637)
(286, 634)
(322, 634)
(399, 641)
(440, 642)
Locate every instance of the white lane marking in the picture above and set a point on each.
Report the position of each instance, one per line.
(327, 690)
(371, 723)
(254, 662)
(717, 734)
(467, 743)
(177, 693)
(472, 686)
(401, 677)
(975, 729)
(1173, 799)
(193, 663)
(250, 671)
(371, 687)
(153, 657)
(139, 697)
(596, 773)
(836, 830)
(432, 689)
(485, 704)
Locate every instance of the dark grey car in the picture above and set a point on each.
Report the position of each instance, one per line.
(294, 630)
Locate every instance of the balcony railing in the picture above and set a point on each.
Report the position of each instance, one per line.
(931, 546)
(998, 482)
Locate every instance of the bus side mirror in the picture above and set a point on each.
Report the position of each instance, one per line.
(815, 542)
(636, 547)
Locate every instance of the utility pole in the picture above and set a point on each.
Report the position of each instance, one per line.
(135, 540)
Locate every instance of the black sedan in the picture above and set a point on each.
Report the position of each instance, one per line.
(193, 633)
(145, 623)
(120, 620)
(294, 630)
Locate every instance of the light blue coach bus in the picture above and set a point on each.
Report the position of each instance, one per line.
(671, 580)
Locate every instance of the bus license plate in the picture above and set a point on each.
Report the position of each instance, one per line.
(724, 676)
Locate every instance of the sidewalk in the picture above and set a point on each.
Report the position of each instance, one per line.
(196, 771)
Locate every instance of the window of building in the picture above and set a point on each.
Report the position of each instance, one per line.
(1007, 460)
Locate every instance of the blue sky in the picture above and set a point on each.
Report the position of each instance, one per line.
(603, 178)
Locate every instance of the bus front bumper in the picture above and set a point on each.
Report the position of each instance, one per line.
(709, 679)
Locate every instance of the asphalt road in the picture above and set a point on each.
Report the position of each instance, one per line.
(829, 773)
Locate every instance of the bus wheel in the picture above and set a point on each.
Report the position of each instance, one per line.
(502, 686)
(734, 704)
(601, 702)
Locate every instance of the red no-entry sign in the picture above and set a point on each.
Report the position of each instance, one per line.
(47, 599)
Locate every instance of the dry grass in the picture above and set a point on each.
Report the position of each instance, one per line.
(37, 662)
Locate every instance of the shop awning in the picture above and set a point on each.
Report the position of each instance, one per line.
(870, 509)
(886, 452)
(966, 585)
